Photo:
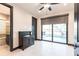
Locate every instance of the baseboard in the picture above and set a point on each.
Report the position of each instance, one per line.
(56, 42)
(38, 39)
(16, 48)
(71, 44)
(60, 42)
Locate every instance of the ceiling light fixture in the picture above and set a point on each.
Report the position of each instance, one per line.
(46, 6)
(65, 4)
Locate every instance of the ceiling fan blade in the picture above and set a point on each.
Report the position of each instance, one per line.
(41, 8)
(50, 3)
(53, 3)
(50, 8)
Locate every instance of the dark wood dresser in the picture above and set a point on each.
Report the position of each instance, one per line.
(25, 39)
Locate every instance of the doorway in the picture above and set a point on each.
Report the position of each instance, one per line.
(47, 32)
(54, 30)
(59, 33)
(34, 28)
(6, 25)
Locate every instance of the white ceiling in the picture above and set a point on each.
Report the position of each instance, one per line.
(34, 7)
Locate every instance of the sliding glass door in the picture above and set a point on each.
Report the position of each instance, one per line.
(54, 32)
(59, 33)
(47, 32)
(55, 28)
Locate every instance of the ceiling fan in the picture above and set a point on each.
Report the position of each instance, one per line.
(48, 5)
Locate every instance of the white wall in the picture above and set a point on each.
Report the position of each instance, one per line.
(22, 21)
(70, 24)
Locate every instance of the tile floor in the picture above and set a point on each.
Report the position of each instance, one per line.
(40, 48)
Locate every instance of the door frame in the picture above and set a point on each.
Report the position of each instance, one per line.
(11, 24)
(42, 35)
(66, 35)
(52, 29)
(34, 20)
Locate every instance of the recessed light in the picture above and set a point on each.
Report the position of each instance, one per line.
(39, 11)
(65, 4)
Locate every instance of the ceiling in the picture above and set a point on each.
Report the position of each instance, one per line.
(34, 7)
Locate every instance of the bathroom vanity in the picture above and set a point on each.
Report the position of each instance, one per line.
(25, 39)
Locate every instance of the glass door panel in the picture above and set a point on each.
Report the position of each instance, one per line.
(47, 32)
(59, 33)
